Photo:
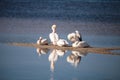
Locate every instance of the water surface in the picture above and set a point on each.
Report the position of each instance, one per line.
(19, 62)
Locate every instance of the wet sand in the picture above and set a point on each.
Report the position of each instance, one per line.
(97, 50)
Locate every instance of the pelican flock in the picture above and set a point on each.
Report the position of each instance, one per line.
(74, 37)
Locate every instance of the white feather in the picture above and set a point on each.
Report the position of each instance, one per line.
(73, 37)
(80, 44)
(62, 42)
(54, 38)
(42, 41)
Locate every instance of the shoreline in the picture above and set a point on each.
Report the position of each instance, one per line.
(97, 50)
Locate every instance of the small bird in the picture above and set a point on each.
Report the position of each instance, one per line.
(42, 41)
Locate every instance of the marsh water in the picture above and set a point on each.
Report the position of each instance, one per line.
(25, 21)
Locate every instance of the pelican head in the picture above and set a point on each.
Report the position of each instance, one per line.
(78, 35)
(77, 31)
(54, 28)
(40, 38)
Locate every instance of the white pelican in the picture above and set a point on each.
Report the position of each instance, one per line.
(42, 41)
(54, 36)
(81, 44)
(62, 42)
(74, 36)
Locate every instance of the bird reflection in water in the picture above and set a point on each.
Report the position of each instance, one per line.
(75, 57)
(61, 52)
(53, 57)
(41, 51)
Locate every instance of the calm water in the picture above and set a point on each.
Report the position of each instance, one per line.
(26, 63)
(26, 20)
(85, 10)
